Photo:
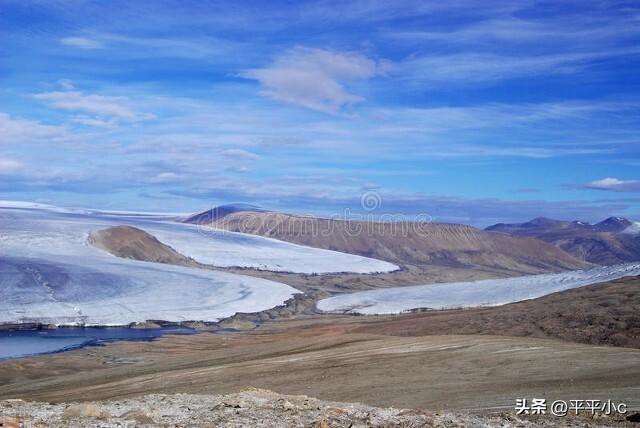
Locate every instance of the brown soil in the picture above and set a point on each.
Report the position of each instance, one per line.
(332, 362)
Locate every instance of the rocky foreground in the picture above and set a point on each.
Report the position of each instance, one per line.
(254, 408)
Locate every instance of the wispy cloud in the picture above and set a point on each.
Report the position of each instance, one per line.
(99, 105)
(16, 130)
(315, 78)
(512, 31)
(475, 67)
(82, 43)
(129, 46)
(239, 154)
(166, 177)
(240, 169)
(517, 44)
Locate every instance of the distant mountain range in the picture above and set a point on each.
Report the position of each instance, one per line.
(425, 246)
(614, 240)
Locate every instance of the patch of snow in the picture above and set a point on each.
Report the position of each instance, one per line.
(634, 229)
(491, 292)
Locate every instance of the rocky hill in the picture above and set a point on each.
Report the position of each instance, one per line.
(614, 240)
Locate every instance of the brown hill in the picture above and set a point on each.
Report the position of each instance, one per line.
(406, 243)
(602, 243)
(132, 243)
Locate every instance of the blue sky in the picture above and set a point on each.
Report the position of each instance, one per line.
(466, 113)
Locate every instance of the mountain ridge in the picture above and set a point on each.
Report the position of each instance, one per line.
(611, 241)
(403, 243)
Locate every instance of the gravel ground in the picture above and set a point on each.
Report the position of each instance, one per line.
(254, 408)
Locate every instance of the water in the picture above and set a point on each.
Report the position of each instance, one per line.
(21, 343)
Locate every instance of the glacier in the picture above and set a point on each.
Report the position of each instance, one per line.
(94, 290)
(492, 292)
(49, 274)
(60, 227)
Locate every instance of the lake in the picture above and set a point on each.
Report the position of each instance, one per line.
(22, 343)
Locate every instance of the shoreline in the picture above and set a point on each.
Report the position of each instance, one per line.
(41, 342)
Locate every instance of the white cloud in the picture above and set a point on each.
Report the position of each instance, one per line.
(9, 166)
(240, 169)
(66, 84)
(14, 130)
(239, 154)
(615, 184)
(165, 177)
(99, 105)
(127, 46)
(168, 47)
(92, 121)
(82, 43)
(315, 78)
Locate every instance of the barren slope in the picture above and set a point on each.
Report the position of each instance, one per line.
(408, 244)
(332, 363)
(132, 243)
